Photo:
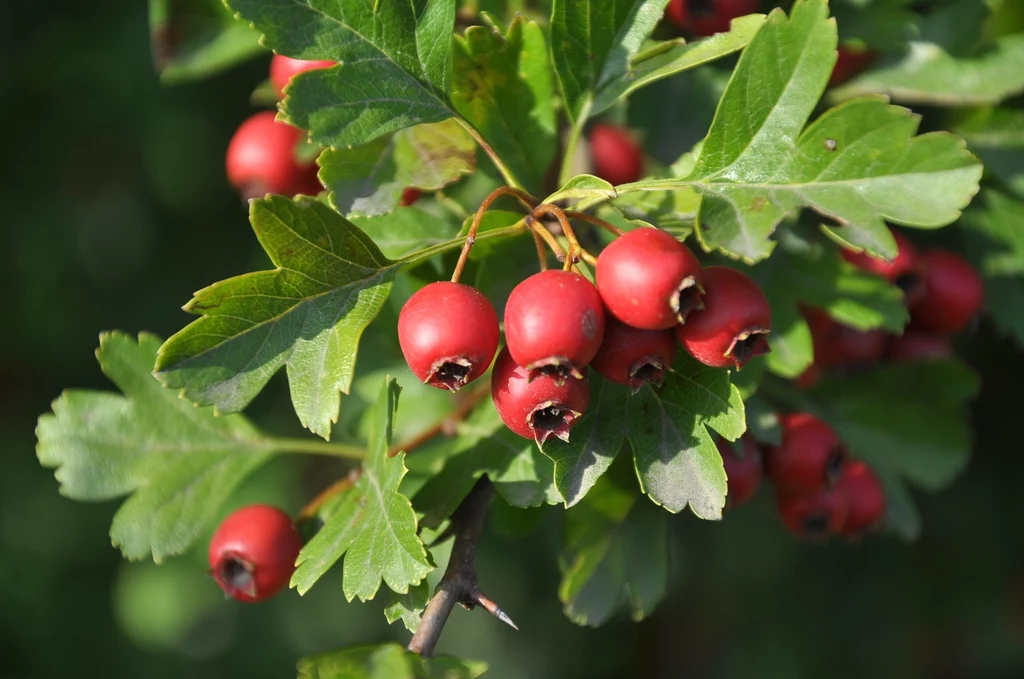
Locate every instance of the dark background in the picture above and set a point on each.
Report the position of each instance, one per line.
(115, 208)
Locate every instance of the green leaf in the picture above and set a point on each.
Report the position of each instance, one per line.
(179, 463)
(405, 231)
(372, 525)
(386, 661)
(928, 74)
(676, 459)
(819, 277)
(194, 39)
(584, 186)
(859, 164)
(997, 137)
(995, 244)
(663, 59)
(901, 515)
(906, 418)
(368, 180)
(502, 85)
(408, 607)
(615, 555)
(594, 443)
(307, 314)
(592, 43)
(762, 421)
(396, 63)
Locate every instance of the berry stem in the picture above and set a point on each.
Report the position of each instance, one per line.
(547, 237)
(494, 195)
(542, 254)
(574, 244)
(595, 220)
(459, 583)
(440, 248)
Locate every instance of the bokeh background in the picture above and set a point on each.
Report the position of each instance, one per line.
(116, 208)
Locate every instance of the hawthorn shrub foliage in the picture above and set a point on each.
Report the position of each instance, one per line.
(435, 127)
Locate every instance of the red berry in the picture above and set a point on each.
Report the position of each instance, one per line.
(850, 62)
(448, 333)
(953, 293)
(261, 159)
(554, 323)
(733, 325)
(918, 345)
(536, 408)
(252, 553)
(837, 344)
(813, 516)
(809, 377)
(616, 157)
(632, 356)
(676, 13)
(410, 196)
(865, 498)
(904, 271)
(649, 280)
(283, 69)
(744, 473)
(810, 457)
(705, 20)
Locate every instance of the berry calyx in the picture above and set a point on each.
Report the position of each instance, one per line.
(733, 326)
(865, 498)
(261, 159)
(554, 324)
(537, 408)
(850, 61)
(813, 516)
(918, 345)
(810, 457)
(252, 553)
(649, 280)
(633, 356)
(615, 155)
(283, 69)
(904, 271)
(743, 473)
(448, 333)
(409, 196)
(953, 293)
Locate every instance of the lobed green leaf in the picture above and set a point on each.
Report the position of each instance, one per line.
(192, 39)
(386, 661)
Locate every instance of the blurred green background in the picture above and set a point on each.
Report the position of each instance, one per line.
(116, 209)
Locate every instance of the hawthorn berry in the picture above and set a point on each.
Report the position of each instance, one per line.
(676, 13)
(733, 325)
(448, 333)
(261, 159)
(283, 69)
(850, 61)
(252, 553)
(615, 155)
(837, 344)
(633, 356)
(554, 324)
(903, 271)
(743, 473)
(649, 280)
(713, 16)
(810, 457)
(409, 196)
(918, 345)
(953, 293)
(540, 407)
(865, 498)
(813, 516)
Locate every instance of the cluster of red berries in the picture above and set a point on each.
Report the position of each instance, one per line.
(253, 551)
(819, 490)
(942, 291)
(261, 157)
(651, 291)
(707, 17)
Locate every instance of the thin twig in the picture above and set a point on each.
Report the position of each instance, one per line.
(542, 254)
(459, 583)
(494, 195)
(596, 221)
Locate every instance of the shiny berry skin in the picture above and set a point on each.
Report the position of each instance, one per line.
(850, 62)
(649, 280)
(732, 327)
(953, 293)
(261, 159)
(616, 157)
(632, 356)
(253, 551)
(813, 516)
(409, 196)
(744, 473)
(283, 69)
(865, 498)
(810, 457)
(904, 271)
(918, 345)
(554, 324)
(448, 333)
(537, 408)
(716, 18)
